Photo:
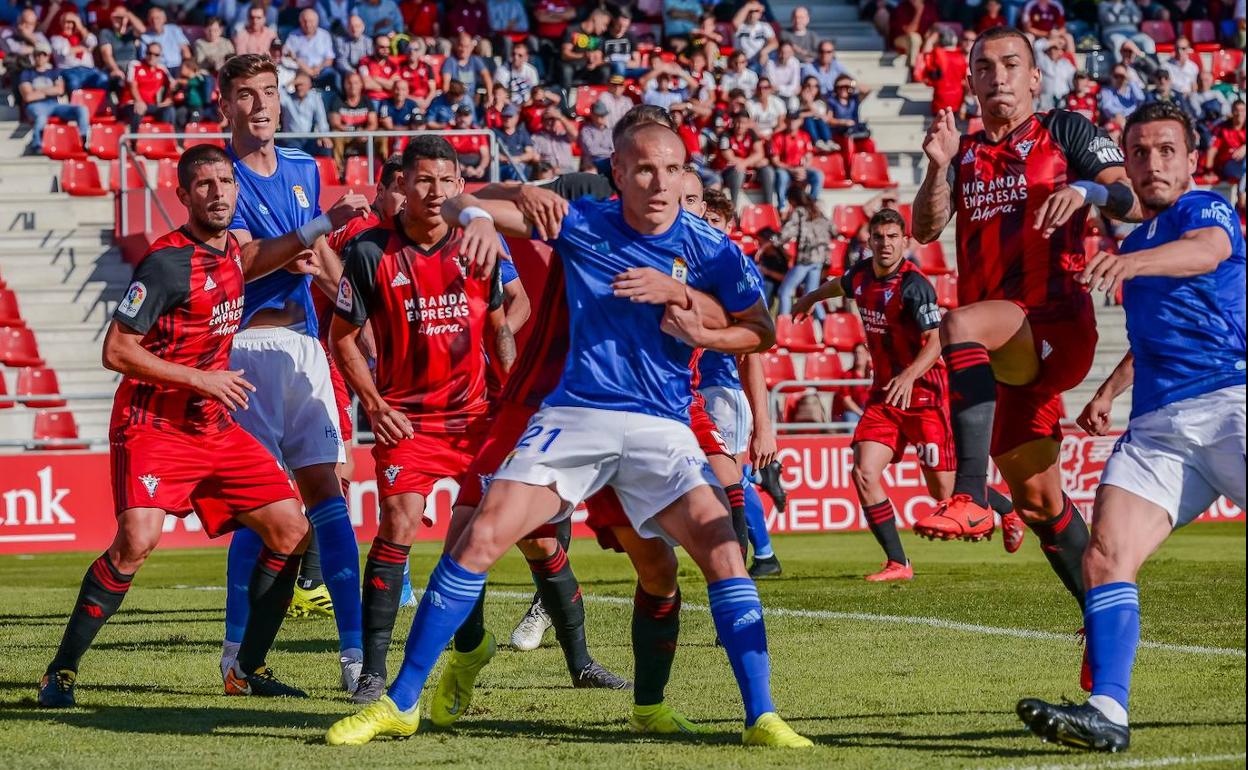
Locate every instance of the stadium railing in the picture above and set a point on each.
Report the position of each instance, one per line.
(781, 390)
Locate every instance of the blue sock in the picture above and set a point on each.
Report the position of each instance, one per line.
(340, 564)
(1112, 624)
(738, 618)
(756, 518)
(448, 600)
(239, 564)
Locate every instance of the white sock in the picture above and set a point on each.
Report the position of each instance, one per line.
(1110, 708)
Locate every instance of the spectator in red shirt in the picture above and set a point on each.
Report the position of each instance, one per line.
(1040, 17)
(1226, 152)
(553, 17)
(908, 24)
(419, 76)
(993, 16)
(944, 69)
(742, 153)
(379, 71)
(421, 19)
(471, 16)
(148, 92)
(1081, 99)
(473, 149)
(792, 151)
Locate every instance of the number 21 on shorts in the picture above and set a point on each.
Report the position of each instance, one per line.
(539, 435)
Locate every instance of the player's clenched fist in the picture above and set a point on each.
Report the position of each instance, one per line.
(645, 284)
(480, 247)
(390, 426)
(226, 386)
(941, 143)
(346, 208)
(1058, 208)
(1095, 417)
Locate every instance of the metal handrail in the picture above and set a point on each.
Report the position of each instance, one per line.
(100, 396)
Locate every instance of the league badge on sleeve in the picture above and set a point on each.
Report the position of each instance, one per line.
(345, 300)
(301, 196)
(134, 300)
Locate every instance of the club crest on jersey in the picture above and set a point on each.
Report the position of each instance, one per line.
(969, 157)
(133, 300)
(602, 247)
(400, 279)
(345, 300)
(1046, 349)
(392, 473)
(680, 270)
(1024, 148)
(209, 284)
(888, 296)
(1152, 228)
(301, 196)
(150, 483)
(263, 209)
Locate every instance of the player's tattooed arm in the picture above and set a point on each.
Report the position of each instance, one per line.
(504, 340)
(933, 205)
(518, 306)
(389, 425)
(1096, 415)
(124, 353)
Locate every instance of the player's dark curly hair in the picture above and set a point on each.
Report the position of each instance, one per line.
(390, 169)
(428, 147)
(1155, 112)
(199, 155)
(718, 201)
(887, 217)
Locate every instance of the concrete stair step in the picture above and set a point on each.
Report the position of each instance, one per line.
(81, 333)
(38, 314)
(34, 210)
(84, 274)
(17, 242)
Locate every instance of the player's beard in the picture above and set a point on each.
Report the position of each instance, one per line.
(213, 222)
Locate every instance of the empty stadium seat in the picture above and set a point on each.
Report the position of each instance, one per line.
(824, 366)
(778, 367)
(167, 174)
(4, 391)
(946, 290)
(357, 173)
(837, 251)
(56, 424)
(847, 220)
(1226, 62)
(39, 381)
(156, 147)
(870, 169)
(81, 177)
(329, 171)
(586, 97)
(96, 102)
(796, 336)
(835, 176)
(1162, 33)
(136, 176)
(18, 347)
(203, 127)
(931, 257)
(842, 331)
(62, 142)
(105, 141)
(10, 314)
(759, 216)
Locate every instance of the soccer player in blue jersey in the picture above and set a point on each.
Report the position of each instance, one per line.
(618, 418)
(292, 413)
(1182, 277)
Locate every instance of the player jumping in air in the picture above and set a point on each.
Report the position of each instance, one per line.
(908, 402)
(1024, 331)
(173, 442)
(293, 413)
(617, 418)
(1182, 278)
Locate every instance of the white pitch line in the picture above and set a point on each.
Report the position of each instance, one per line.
(870, 617)
(1129, 764)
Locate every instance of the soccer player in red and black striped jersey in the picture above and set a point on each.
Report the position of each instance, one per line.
(433, 326)
(1024, 331)
(908, 402)
(174, 446)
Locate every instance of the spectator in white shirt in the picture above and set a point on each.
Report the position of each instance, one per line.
(1057, 72)
(766, 108)
(785, 71)
(753, 37)
(71, 52)
(518, 74)
(312, 50)
(1183, 71)
(738, 75)
(1120, 21)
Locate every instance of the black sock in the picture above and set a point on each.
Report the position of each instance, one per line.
(472, 632)
(563, 533)
(103, 588)
(310, 566)
(882, 520)
(736, 506)
(272, 586)
(972, 402)
(1063, 539)
(656, 626)
(383, 588)
(561, 596)
(999, 502)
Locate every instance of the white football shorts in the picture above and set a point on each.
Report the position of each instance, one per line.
(730, 411)
(1185, 455)
(292, 413)
(649, 461)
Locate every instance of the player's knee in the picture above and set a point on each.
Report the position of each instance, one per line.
(657, 573)
(129, 553)
(956, 326)
(288, 533)
(866, 477)
(535, 548)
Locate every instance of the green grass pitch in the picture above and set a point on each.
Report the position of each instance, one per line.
(872, 686)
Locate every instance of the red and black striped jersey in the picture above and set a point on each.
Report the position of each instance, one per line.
(896, 311)
(999, 189)
(337, 240)
(429, 322)
(186, 299)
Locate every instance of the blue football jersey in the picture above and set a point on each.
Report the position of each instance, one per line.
(619, 358)
(270, 207)
(1187, 333)
(719, 369)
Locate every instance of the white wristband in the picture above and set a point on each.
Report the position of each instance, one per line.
(1093, 192)
(310, 231)
(473, 212)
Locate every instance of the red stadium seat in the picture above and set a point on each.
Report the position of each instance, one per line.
(833, 168)
(56, 425)
(842, 331)
(105, 141)
(748, 244)
(81, 177)
(870, 169)
(18, 347)
(357, 173)
(824, 366)
(586, 96)
(154, 147)
(931, 258)
(94, 99)
(329, 171)
(778, 367)
(39, 381)
(907, 214)
(435, 61)
(1162, 33)
(837, 251)
(203, 127)
(4, 391)
(1203, 34)
(10, 313)
(136, 176)
(759, 216)
(946, 290)
(847, 220)
(167, 174)
(796, 336)
(62, 142)
(1226, 62)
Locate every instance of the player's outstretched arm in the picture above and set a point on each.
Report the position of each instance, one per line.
(124, 353)
(389, 425)
(1196, 252)
(751, 330)
(506, 212)
(1095, 417)
(933, 205)
(263, 256)
(763, 446)
(806, 303)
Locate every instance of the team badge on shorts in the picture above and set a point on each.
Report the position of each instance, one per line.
(301, 196)
(150, 483)
(680, 270)
(392, 473)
